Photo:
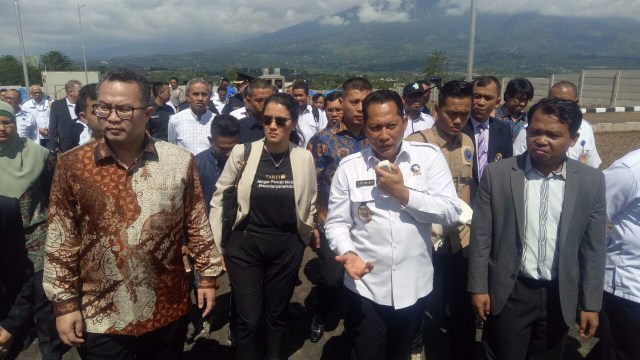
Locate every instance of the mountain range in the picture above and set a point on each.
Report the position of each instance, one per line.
(521, 44)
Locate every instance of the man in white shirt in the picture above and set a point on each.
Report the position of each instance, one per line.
(584, 150)
(25, 122)
(379, 225)
(413, 99)
(39, 108)
(620, 318)
(308, 122)
(219, 99)
(191, 127)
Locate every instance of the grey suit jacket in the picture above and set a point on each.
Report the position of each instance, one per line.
(497, 231)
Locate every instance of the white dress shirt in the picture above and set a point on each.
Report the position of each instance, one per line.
(422, 122)
(26, 125)
(40, 112)
(397, 239)
(586, 145)
(186, 130)
(240, 113)
(622, 271)
(72, 110)
(217, 102)
(543, 199)
(308, 125)
(85, 135)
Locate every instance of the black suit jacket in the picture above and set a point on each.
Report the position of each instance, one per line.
(497, 233)
(64, 132)
(500, 147)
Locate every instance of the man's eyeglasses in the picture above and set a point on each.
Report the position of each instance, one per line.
(281, 121)
(333, 110)
(123, 112)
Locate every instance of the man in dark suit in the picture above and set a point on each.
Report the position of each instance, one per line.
(537, 251)
(492, 138)
(64, 130)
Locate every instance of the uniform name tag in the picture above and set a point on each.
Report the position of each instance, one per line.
(361, 183)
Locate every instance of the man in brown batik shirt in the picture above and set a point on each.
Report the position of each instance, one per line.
(119, 208)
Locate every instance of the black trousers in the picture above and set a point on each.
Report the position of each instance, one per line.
(331, 273)
(165, 343)
(448, 307)
(263, 270)
(49, 342)
(619, 328)
(379, 332)
(530, 326)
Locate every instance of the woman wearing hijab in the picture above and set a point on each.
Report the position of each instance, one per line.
(274, 223)
(27, 169)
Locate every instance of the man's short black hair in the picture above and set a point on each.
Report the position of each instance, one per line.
(173, 78)
(483, 81)
(221, 88)
(300, 84)
(356, 83)
(129, 76)
(518, 87)
(458, 89)
(89, 91)
(224, 125)
(381, 97)
(333, 96)
(567, 112)
(317, 96)
(259, 83)
(157, 86)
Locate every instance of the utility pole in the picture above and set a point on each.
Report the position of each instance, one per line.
(84, 56)
(472, 41)
(24, 57)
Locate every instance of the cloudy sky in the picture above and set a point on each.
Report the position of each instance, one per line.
(127, 25)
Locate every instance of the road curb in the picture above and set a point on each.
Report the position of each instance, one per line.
(616, 109)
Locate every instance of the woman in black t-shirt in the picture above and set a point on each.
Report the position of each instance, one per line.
(276, 197)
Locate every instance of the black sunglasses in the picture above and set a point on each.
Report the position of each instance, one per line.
(281, 121)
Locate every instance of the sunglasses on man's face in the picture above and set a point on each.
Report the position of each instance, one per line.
(281, 121)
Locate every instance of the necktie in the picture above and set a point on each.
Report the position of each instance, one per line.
(482, 149)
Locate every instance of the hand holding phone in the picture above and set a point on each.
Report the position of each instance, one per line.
(385, 165)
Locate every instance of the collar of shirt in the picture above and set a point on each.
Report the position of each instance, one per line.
(70, 104)
(477, 123)
(342, 129)
(443, 140)
(306, 110)
(102, 150)
(503, 114)
(21, 112)
(419, 117)
(372, 160)
(204, 118)
(529, 170)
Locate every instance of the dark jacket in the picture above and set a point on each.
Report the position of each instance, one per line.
(64, 132)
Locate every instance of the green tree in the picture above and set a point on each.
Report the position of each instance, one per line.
(57, 61)
(10, 70)
(436, 63)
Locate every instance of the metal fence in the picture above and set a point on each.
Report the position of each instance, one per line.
(596, 88)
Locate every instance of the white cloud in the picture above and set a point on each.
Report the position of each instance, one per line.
(333, 20)
(385, 11)
(53, 24)
(575, 8)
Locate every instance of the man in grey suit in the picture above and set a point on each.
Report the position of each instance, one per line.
(537, 251)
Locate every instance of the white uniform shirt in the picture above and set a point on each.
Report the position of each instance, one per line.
(308, 125)
(189, 132)
(26, 125)
(40, 112)
(422, 122)
(622, 271)
(397, 239)
(218, 103)
(586, 145)
(85, 135)
(240, 113)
